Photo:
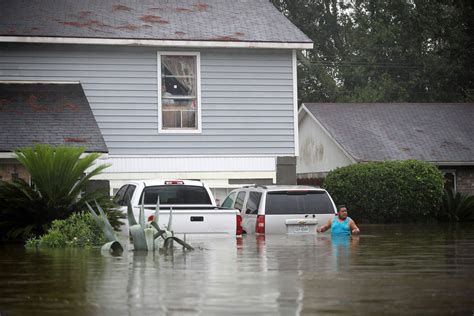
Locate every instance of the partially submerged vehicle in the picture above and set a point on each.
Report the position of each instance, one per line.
(292, 209)
(193, 207)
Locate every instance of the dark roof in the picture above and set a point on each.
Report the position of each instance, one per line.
(55, 114)
(435, 132)
(204, 20)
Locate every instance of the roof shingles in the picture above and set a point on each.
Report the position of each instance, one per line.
(436, 132)
(203, 20)
(55, 114)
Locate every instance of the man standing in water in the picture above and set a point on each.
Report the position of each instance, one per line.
(341, 224)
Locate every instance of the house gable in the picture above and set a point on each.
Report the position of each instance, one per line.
(248, 101)
(319, 152)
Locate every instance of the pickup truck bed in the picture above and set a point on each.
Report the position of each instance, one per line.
(187, 218)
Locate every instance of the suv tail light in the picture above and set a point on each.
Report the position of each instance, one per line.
(239, 229)
(260, 226)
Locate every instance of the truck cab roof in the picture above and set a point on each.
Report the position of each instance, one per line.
(152, 182)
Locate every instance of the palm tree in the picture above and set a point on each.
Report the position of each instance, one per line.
(456, 207)
(59, 178)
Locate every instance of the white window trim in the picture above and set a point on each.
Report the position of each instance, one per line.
(198, 130)
(295, 102)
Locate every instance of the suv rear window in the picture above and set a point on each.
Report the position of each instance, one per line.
(176, 194)
(298, 202)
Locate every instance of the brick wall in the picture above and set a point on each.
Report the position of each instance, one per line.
(465, 179)
(8, 170)
(314, 179)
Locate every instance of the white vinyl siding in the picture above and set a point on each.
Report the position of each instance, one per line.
(246, 96)
(318, 151)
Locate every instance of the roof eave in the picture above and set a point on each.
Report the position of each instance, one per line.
(453, 163)
(436, 163)
(103, 155)
(155, 42)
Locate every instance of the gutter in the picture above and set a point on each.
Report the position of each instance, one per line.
(153, 43)
(452, 163)
(11, 155)
(436, 163)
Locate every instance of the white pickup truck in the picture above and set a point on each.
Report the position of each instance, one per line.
(194, 209)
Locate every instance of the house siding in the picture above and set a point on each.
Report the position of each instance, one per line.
(246, 96)
(318, 152)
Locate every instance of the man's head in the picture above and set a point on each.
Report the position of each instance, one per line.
(342, 212)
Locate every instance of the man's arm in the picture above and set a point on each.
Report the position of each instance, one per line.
(325, 227)
(354, 228)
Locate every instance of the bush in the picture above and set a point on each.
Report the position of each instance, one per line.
(59, 180)
(79, 230)
(388, 192)
(456, 207)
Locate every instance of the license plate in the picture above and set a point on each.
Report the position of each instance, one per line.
(302, 229)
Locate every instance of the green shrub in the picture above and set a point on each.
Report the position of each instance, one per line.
(388, 192)
(79, 230)
(59, 179)
(456, 207)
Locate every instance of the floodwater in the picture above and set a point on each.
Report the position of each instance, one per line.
(391, 270)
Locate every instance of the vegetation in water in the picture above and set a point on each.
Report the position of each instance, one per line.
(388, 192)
(456, 207)
(78, 230)
(59, 177)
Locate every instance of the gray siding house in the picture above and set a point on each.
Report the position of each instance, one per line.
(179, 89)
(334, 135)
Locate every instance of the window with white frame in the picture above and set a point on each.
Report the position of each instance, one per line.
(179, 95)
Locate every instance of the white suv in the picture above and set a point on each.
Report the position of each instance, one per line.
(281, 208)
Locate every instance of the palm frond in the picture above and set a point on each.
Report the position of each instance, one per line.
(456, 207)
(59, 178)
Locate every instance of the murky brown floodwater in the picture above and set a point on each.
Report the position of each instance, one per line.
(424, 270)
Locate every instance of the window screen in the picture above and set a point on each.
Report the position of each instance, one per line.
(298, 202)
(177, 194)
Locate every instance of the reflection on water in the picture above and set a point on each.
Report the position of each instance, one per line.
(388, 269)
(341, 247)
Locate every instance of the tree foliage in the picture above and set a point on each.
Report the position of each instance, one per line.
(385, 51)
(59, 178)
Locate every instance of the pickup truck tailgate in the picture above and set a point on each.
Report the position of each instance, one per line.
(212, 221)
